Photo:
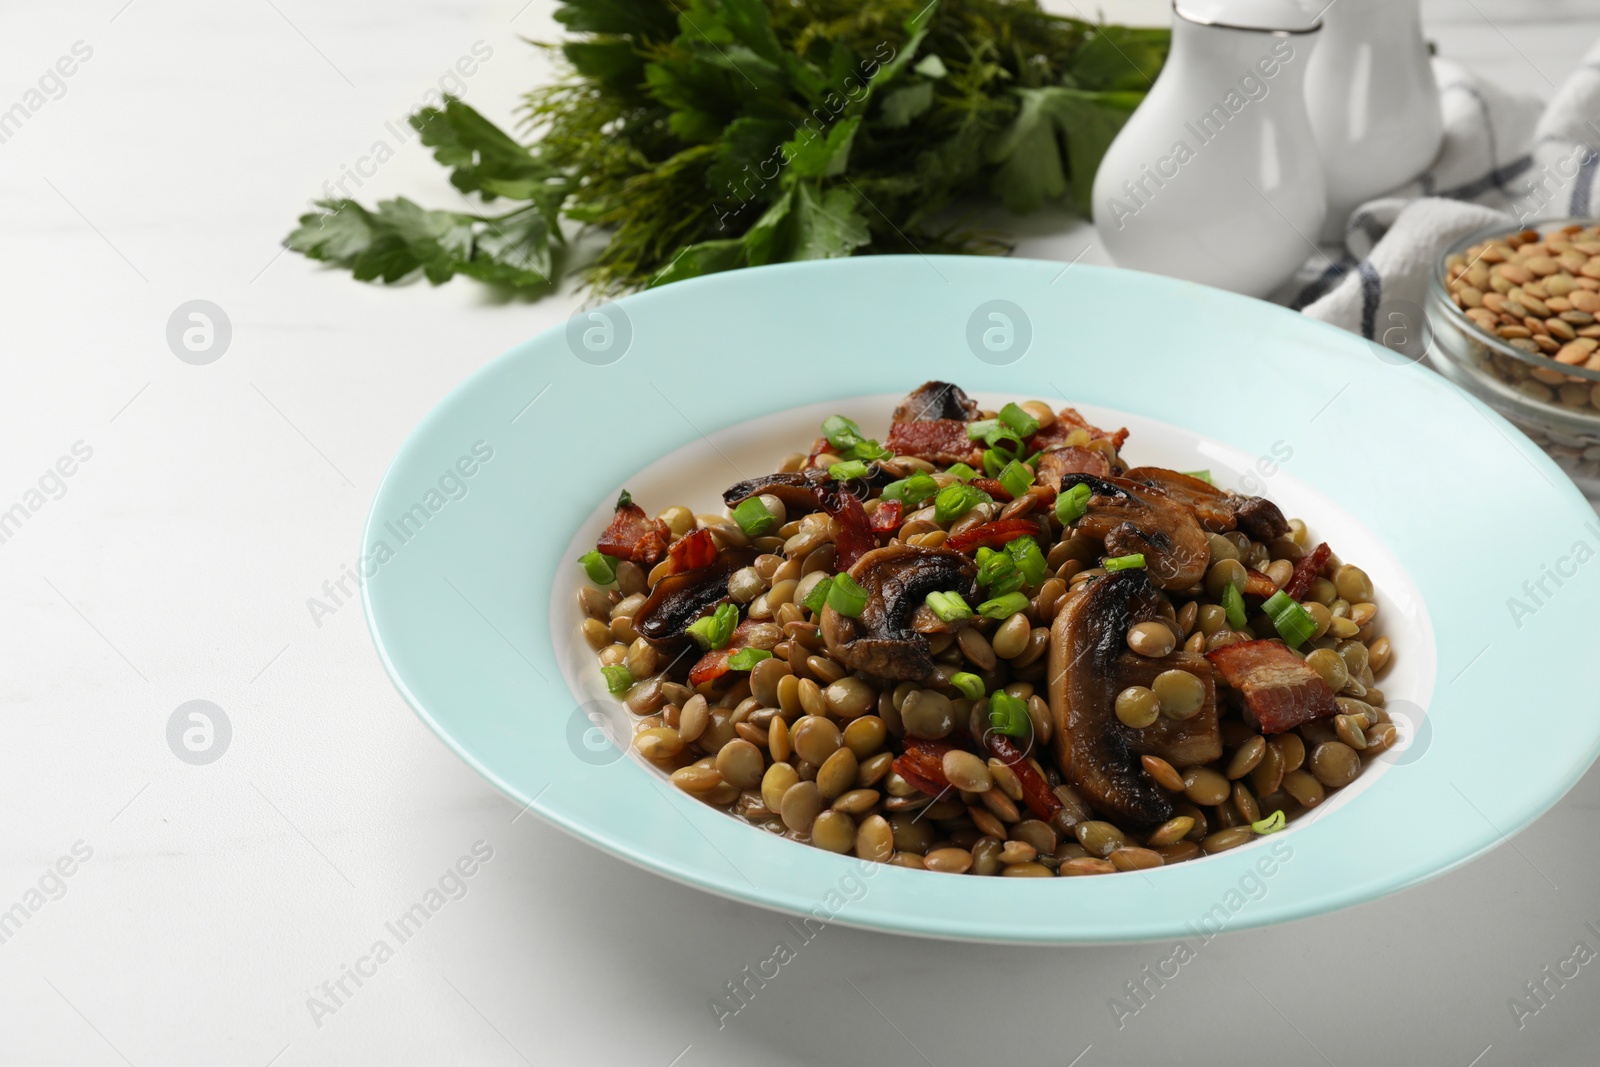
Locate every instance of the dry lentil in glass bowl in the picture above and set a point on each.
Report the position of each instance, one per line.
(990, 646)
(1516, 322)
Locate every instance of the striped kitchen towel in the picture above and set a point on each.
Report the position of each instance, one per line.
(1506, 160)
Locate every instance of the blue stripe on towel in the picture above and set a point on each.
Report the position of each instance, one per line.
(1324, 282)
(1371, 293)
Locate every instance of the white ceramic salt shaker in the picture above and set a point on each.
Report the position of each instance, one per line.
(1216, 177)
(1373, 101)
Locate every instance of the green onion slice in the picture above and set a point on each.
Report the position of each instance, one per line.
(1126, 563)
(1004, 606)
(754, 517)
(623, 500)
(950, 607)
(1016, 477)
(1204, 476)
(954, 501)
(997, 572)
(619, 679)
(980, 429)
(1233, 604)
(912, 490)
(1271, 824)
(1293, 622)
(1024, 424)
(600, 568)
(968, 684)
(713, 631)
(845, 596)
(745, 658)
(818, 596)
(1008, 714)
(842, 433)
(1071, 504)
(850, 468)
(961, 472)
(1029, 559)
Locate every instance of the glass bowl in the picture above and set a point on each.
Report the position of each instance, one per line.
(1556, 405)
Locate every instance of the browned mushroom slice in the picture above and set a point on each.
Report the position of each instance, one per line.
(883, 640)
(798, 489)
(936, 400)
(1096, 753)
(679, 599)
(1132, 518)
(1218, 511)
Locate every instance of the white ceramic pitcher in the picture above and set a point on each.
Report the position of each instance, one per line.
(1216, 177)
(1373, 101)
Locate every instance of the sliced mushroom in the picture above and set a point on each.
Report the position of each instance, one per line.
(1218, 510)
(883, 640)
(679, 599)
(1132, 518)
(1093, 749)
(936, 400)
(798, 490)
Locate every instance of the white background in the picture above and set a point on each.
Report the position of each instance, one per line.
(178, 564)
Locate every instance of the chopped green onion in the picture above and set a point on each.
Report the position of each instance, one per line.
(868, 449)
(745, 658)
(1233, 604)
(993, 462)
(713, 631)
(1293, 622)
(919, 487)
(1033, 460)
(1125, 563)
(845, 596)
(624, 500)
(1008, 714)
(1204, 476)
(1003, 607)
(754, 517)
(619, 679)
(1072, 503)
(997, 572)
(950, 607)
(969, 684)
(954, 501)
(1020, 421)
(851, 468)
(818, 596)
(1271, 824)
(961, 471)
(600, 567)
(1025, 553)
(1016, 477)
(980, 429)
(841, 432)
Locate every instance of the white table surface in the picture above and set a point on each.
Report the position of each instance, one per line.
(217, 899)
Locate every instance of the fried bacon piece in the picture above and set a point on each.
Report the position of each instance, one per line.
(939, 441)
(714, 664)
(693, 550)
(855, 537)
(1280, 690)
(1036, 792)
(1059, 462)
(992, 535)
(1258, 584)
(1306, 569)
(1067, 420)
(634, 536)
(922, 764)
(886, 520)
